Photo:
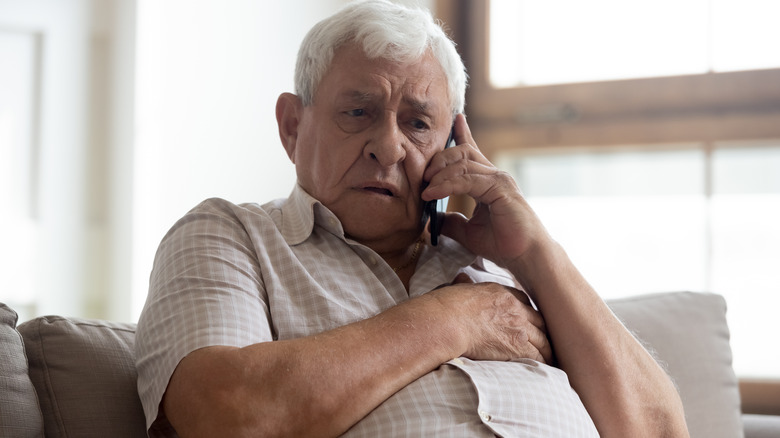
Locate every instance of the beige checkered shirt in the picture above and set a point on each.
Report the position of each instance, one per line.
(237, 275)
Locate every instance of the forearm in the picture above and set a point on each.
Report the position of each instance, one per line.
(318, 385)
(621, 385)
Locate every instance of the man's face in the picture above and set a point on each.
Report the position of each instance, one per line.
(364, 143)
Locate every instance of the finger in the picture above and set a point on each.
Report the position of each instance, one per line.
(459, 177)
(535, 318)
(547, 353)
(467, 140)
(463, 132)
(464, 176)
(465, 149)
(527, 350)
(538, 339)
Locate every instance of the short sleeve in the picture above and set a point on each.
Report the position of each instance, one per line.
(206, 289)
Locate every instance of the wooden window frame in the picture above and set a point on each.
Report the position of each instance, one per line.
(705, 108)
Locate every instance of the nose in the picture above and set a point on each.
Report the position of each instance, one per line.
(386, 144)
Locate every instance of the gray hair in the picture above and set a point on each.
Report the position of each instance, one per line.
(385, 30)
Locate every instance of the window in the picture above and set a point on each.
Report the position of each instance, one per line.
(664, 147)
(18, 222)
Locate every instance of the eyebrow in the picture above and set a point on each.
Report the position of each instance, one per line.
(419, 106)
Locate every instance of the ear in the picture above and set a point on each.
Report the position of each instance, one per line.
(289, 110)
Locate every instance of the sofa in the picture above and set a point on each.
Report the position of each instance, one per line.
(75, 377)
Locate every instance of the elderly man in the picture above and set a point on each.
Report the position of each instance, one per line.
(330, 313)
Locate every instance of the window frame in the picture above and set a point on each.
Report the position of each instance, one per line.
(709, 107)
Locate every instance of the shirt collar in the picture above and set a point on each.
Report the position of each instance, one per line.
(300, 212)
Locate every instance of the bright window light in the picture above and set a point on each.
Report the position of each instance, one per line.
(671, 219)
(538, 42)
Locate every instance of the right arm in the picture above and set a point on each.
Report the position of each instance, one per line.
(323, 384)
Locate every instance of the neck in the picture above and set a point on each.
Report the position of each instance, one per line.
(405, 265)
(412, 259)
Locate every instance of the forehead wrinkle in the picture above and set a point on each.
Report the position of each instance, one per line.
(359, 96)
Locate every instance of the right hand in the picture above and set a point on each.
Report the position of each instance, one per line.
(497, 321)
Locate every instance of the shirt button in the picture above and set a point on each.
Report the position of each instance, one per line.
(458, 361)
(372, 260)
(332, 222)
(485, 416)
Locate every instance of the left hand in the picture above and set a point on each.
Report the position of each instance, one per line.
(503, 227)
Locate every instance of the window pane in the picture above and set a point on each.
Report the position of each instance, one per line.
(633, 222)
(537, 42)
(745, 34)
(672, 172)
(18, 227)
(534, 42)
(746, 251)
(627, 245)
(747, 170)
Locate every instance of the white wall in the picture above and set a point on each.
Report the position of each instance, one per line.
(145, 108)
(58, 152)
(208, 75)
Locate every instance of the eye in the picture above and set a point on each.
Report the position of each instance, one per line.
(419, 125)
(358, 112)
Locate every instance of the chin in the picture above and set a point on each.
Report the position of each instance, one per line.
(385, 230)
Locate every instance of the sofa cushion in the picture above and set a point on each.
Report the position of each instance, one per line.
(761, 426)
(84, 373)
(689, 335)
(20, 415)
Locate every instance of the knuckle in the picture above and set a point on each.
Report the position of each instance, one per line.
(520, 339)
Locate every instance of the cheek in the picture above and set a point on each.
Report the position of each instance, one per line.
(415, 169)
(321, 170)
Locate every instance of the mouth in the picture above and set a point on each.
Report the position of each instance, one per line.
(379, 187)
(379, 190)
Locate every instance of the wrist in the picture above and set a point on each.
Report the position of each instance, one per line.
(542, 263)
(448, 313)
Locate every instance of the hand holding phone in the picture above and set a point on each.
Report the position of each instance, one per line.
(433, 208)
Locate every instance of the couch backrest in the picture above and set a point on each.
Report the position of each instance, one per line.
(689, 335)
(84, 374)
(19, 412)
(83, 370)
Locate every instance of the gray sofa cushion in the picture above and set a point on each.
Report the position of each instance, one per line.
(19, 412)
(84, 373)
(761, 426)
(689, 334)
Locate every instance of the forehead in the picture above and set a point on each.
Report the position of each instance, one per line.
(354, 76)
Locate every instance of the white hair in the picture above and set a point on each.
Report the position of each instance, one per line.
(385, 30)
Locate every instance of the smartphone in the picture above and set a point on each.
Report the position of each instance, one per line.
(433, 208)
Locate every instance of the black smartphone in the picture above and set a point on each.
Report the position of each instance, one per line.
(433, 208)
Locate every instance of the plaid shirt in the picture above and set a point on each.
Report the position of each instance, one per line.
(238, 275)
